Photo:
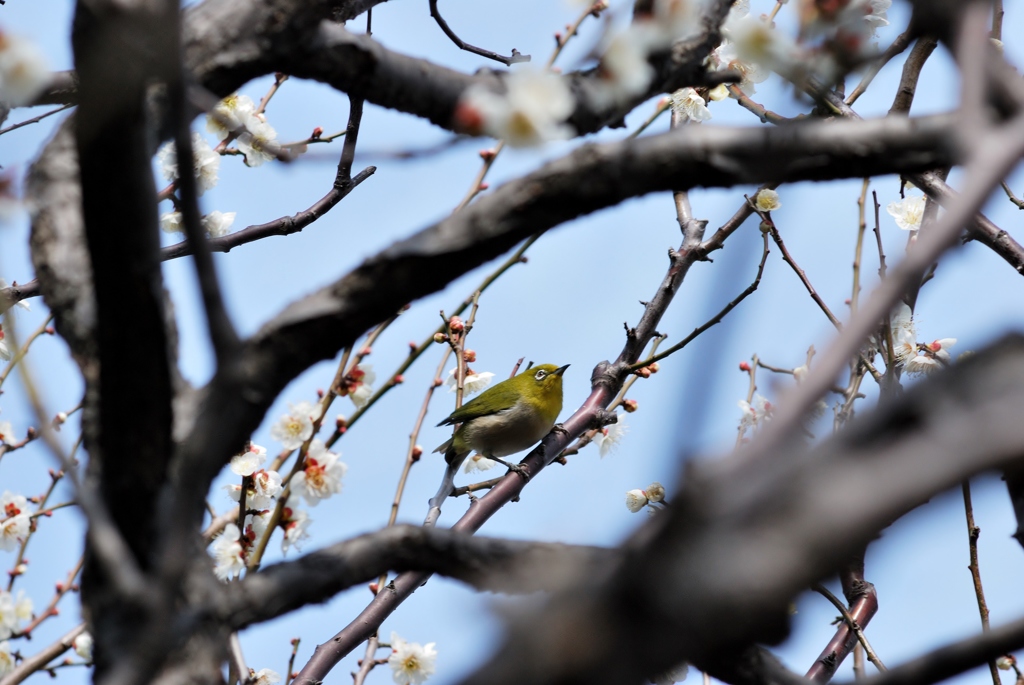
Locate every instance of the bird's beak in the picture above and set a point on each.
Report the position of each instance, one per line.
(561, 369)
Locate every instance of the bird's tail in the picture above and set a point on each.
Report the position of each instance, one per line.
(454, 460)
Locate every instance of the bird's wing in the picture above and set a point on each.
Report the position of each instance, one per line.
(491, 401)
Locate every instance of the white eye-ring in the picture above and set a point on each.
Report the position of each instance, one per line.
(540, 375)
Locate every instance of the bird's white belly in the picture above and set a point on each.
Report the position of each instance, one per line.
(507, 432)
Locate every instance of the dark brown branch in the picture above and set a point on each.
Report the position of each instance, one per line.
(514, 58)
(485, 563)
(911, 73)
(894, 49)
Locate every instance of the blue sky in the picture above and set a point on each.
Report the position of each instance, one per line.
(566, 305)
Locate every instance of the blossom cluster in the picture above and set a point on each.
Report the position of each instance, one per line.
(915, 357)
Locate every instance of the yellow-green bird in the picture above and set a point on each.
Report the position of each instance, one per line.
(502, 420)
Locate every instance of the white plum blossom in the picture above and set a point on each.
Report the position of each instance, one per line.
(767, 200)
(636, 500)
(757, 42)
(264, 676)
(227, 553)
(6, 658)
(23, 70)
(655, 492)
(266, 486)
(246, 463)
(930, 358)
(411, 663)
(21, 303)
(624, 70)
(172, 222)
(7, 434)
(875, 14)
(321, 477)
(908, 212)
(609, 437)
(217, 223)
(83, 646)
(718, 93)
(230, 114)
(206, 163)
(904, 336)
(13, 611)
(474, 382)
(359, 384)
(295, 522)
(255, 527)
(295, 427)
(14, 520)
(750, 72)
(690, 106)
(258, 142)
(478, 462)
(755, 413)
(532, 111)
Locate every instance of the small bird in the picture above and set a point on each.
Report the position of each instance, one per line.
(504, 419)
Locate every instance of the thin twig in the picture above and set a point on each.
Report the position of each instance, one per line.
(514, 58)
(34, 120)
(973, 532)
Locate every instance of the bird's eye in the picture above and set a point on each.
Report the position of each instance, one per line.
(540, 375)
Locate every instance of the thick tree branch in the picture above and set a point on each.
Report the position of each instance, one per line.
(485, 563)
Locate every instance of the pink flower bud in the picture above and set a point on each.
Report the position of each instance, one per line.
(399, 379)
(417, 452)
(487, 154)
(643, 372)
(456, 325)
(317, 132)
(469, 356)
(653, 366)
(745, 367)
(630, 406)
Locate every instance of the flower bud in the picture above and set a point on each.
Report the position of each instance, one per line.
(636, 500)
(629, 405)
(366, 351)
(744, 366)
(469, 356)
(417, 452)
(399, 379)
(440, 338)
(340, 423)
(374, 588)
(655, 492)
(643, 372)
(413, 345)
(317, 132)
(1005, 662)
(484, 186)
(455, 325)
(653, 366)
(487, 155)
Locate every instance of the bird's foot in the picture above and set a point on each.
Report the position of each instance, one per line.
(516, 468)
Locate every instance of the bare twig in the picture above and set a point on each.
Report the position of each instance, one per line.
(514, 58)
